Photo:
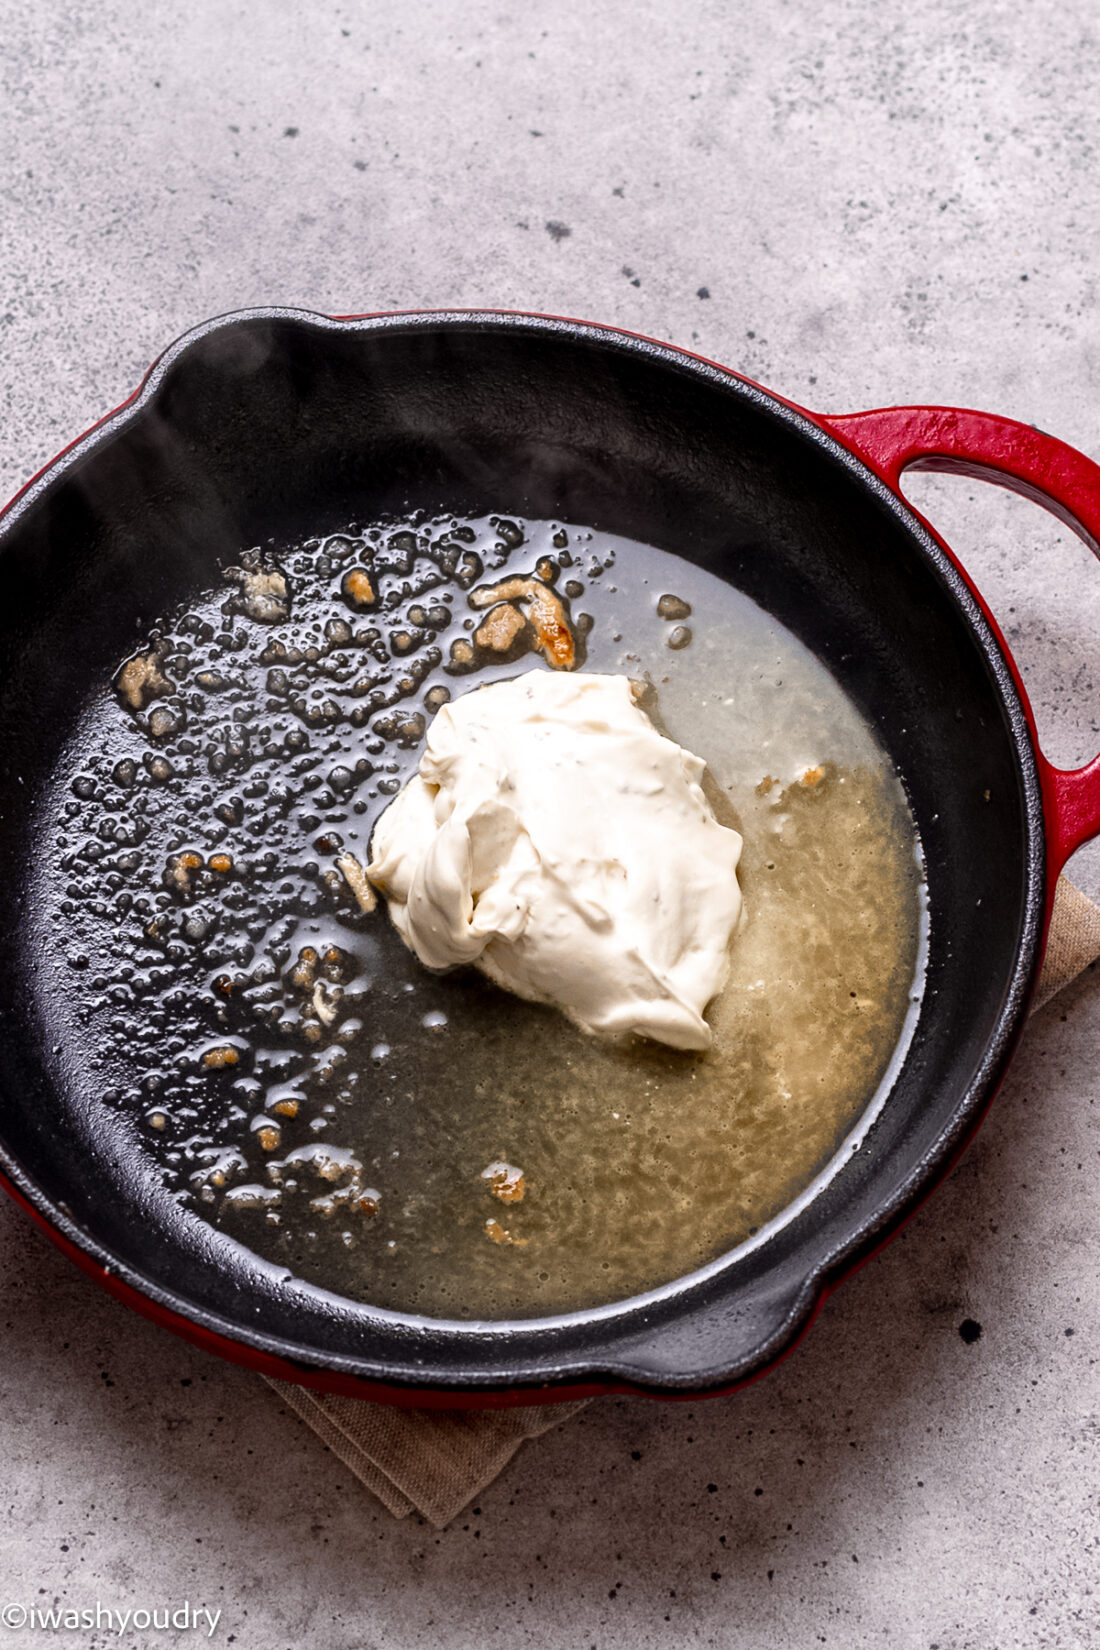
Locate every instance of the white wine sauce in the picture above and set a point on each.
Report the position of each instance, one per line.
(426, 1143)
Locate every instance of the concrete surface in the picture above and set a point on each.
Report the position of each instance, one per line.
(885, 203)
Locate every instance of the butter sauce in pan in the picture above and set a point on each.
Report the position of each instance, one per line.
(425, 1142)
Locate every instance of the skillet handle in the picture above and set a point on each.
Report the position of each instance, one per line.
(891, 440)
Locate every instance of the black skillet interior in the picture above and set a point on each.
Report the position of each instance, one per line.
(276, 422)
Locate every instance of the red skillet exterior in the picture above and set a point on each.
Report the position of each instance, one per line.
(1038, 467)
(888, 441)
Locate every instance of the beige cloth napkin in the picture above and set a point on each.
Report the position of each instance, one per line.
(435, 1461)
(430, 1461)
(1072, 944)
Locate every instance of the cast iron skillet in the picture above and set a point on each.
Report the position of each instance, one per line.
(275, 421)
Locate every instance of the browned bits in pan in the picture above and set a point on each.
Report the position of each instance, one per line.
(141, 679)
(325, 1002)
(275, 652)
(180, 871)
(506, 1182)
(338, 965)
(304, 973)
(546, 614)
(356, 879)
(262, 592)
(342, 1172)
(503, 630)
(462, 655)
(164, 722)
(469, 569)
(357, 589)
(216, 1059)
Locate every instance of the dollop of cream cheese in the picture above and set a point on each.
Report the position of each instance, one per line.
(556, 839)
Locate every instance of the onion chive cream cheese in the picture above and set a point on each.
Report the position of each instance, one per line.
(556, 840)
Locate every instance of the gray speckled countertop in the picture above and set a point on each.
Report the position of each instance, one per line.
(859, 205)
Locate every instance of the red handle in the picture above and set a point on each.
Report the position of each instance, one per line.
(892, 440)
